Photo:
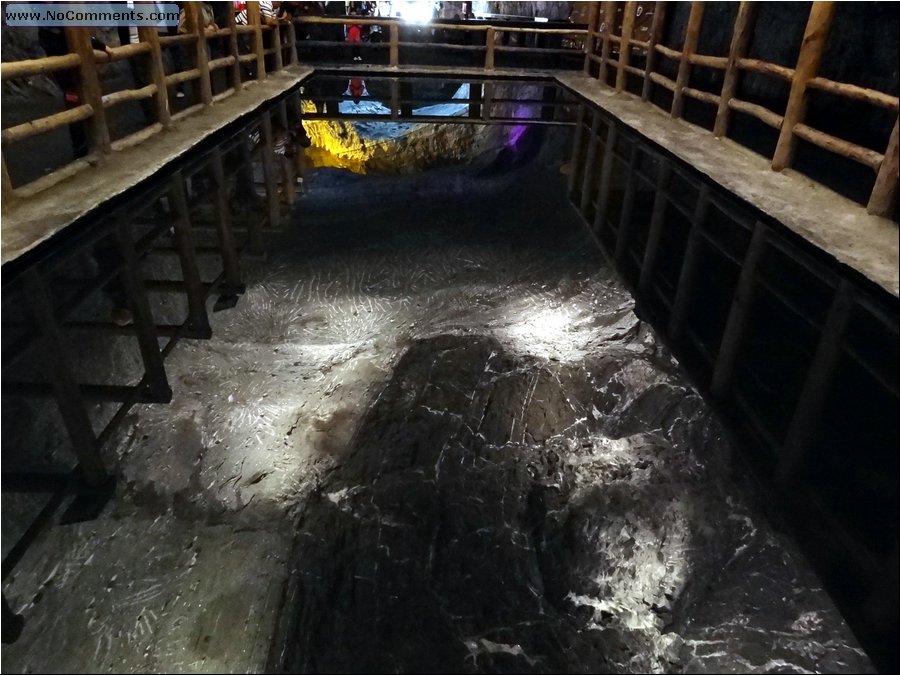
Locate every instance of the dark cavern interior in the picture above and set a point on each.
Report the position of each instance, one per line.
(451, 337)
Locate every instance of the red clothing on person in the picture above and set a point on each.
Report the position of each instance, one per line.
(354, 33)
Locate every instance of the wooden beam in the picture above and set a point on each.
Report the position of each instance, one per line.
(201, 57)
(227, 245)
(155, 381)
(626, 222)
(254, 20)
(740, 43)
(688, 275)
(198, 320)
(587, 179)
(267, 148)
(157, 74)
(625, 44)
(65, 388)
(654, 238)
(276, 42)
(814, 396)
(394, 44)
(733, 335)
(234, 51)
(590, 39)
(885, 191)
(821, 16)
(656, 28)
(612, 137)
(691, 35)
(79, 42)
(577, 151)
(489, 39)
(606, 29)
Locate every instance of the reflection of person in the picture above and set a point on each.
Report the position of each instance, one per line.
(356, 88)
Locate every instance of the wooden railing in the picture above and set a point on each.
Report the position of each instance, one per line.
(803, 77)
(491, 32)
(95, 103)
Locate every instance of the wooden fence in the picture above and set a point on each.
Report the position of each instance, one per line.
(94, 103)
(605, 38)
(491, 33)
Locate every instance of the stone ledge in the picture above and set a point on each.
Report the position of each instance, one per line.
(28, 223)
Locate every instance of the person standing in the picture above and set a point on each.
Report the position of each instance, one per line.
(354, 38)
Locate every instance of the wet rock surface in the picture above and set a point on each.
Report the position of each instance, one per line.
(431, 436)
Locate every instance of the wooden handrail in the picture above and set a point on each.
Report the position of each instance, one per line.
(42, 66)
(44, 124)
(128, 95)
(857, 153)
(761, 113)
(853, 91)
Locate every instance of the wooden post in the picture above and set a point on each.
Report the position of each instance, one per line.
(7, 193)
(198, 319)
(486, 97)
(227, 245)
(157, 74)
(885, 190)
(588, 178)
(65, 387)
(590, 40)
(625, 44)
(269, 169)
(654, 237)
(235, 52)
(817, 386)
(292, 36)
(395, 44)
(656, 26)
(740, 43)
(626, 222)
(820, 18)
(157, 384)
(489, 51)
(395, 98)
(606, 28)
(691, 35)
(688, 275)
(733, 335)
(255, 19)
(79, 42)
(605, 177)
(577, 151)
(201, 58)
(276, 43)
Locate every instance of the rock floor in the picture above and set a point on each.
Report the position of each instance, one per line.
(431, 437)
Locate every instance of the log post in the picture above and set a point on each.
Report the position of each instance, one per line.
(276, 43)
(292, 38)
(691, 35)
(7, 193)
(79, 42)
(885, 190)
(201, 57)
(820, 18)
(814, 396)
(606, 29)
(489, 51)
(395, 44)
(589, 42)
(235, 52)
(255, 19)
(625, 44)
(740, 43)
(656, 26)
(157, 74)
